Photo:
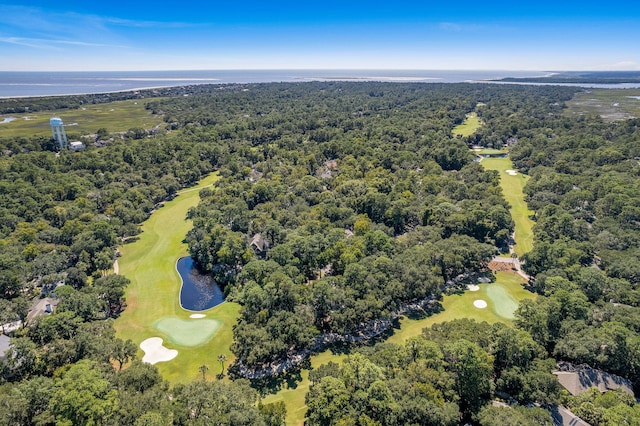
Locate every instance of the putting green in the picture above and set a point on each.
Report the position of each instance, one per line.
(187, 332)
(502, 302)
(153, 295)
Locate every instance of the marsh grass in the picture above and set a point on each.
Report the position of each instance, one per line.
(117, 116)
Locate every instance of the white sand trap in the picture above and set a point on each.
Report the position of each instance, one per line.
(480, 304)
(197, 316)
(154, 351)
(512, 172)
(473, 287)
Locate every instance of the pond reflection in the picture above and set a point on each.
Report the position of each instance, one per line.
(199, 292)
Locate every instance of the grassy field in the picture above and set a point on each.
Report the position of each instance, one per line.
(153, 307)
(118, 116)
(468, 126)
(610, 104)
(512, 189)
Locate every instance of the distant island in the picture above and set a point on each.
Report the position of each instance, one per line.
(580, 77)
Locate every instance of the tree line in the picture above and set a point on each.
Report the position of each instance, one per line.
(363, 201)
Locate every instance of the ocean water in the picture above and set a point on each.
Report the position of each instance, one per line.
(21, 84)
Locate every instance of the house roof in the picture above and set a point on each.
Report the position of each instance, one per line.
(259, 243)
(5, 341)
(579, 379)
(563, 416)
(39, 306)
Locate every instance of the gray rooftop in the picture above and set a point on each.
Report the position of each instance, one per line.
(4, 344)
(563, 417)
(580, 378)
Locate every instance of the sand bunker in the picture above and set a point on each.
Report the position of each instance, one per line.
(197, 316)
(473, 287)
(512, 172)
(481, 304)
(154, 351)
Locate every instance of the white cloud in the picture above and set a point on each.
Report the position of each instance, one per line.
(621, 66)
(146, 24)
(41, 43)
(51, 29)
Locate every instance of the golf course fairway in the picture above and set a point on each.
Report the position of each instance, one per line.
(153, 306)
(512, 189)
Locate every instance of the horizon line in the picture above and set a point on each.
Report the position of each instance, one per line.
(323, 69)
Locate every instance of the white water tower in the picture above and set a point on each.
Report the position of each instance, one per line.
(58, 133)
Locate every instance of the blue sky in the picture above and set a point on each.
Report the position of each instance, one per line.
(144, 35)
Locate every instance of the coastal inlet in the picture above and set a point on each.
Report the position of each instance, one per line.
(199, 292)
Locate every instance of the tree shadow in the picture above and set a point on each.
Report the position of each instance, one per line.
(419, 314)
(342, 348)
(457, 289)
(274, 384)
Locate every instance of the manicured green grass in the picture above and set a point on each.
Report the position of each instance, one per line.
(610, 104)
(502, 299)
(293, 397)
(118, 116)
(468, 126)
(512, 188)
(153, 295)
(189, 332)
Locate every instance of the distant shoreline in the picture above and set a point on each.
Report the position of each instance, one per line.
(16, 85)
(42, 84)
(580, 78)
(139, 89)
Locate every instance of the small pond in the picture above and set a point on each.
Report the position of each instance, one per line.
(199, 292)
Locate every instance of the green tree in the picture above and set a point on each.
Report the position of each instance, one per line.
(521, 416)
(123, 351)
(472, 369)
(83, 396)
(328, 402)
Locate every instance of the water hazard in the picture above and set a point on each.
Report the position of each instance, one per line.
(199, 292)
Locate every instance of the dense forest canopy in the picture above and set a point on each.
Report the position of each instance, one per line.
(340, 204)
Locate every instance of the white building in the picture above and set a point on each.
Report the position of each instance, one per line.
(76, 146)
